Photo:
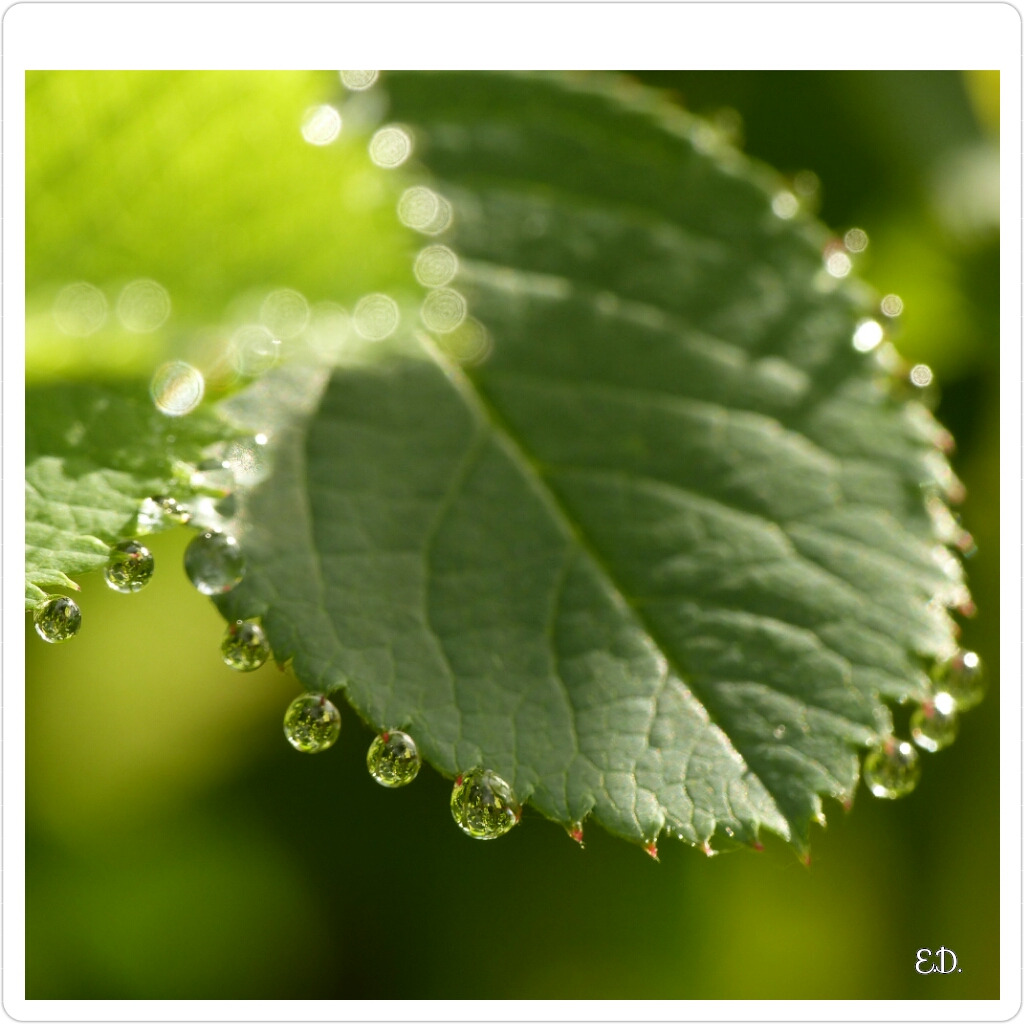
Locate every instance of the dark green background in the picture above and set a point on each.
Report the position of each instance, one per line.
(178, 848)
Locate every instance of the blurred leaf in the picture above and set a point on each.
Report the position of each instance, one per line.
(660, 555)
(92, 453)
(201, 181)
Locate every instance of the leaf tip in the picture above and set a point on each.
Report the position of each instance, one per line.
(575, 831)
(651, 849)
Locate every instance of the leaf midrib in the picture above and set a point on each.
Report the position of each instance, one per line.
(484, 411)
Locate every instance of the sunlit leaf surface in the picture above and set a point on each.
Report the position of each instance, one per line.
(659, 549)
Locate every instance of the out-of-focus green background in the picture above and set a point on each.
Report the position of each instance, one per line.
(179, 848)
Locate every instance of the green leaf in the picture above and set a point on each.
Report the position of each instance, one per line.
(92, 454)
(659, 557)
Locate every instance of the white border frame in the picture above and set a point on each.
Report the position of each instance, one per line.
(498, 35)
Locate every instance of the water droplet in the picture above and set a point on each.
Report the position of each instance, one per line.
(390, 146)
(244, 647)
(934, 724)
(130, 567)
(285, 313)
(838, 264)
(213, 477)
(254, 350)
(483, 804)
(321, 125)
(177, 388)
(74, 434)
(921, 375)
(469, 343)
(393, 759)
(867, 335)
(856, 240)
(376, 317)
(806, 184)
(159, 513)
(57, 619)
(892, 769)
(80, 309)
(892, 305)
(358, 80)
(443, 310)
(328, 330)
(962, 677)
(435, 266)
(214, 562)
(248, 460)
(143, 306)
(424, 210)
(779, 731)
(785, 205)
(312, 723)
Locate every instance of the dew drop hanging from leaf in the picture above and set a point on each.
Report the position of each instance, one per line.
(130, 568)
(312, 723)
(393, 759)
(892, 770)
(214, 562)
(483, 804)
(245, 647)
(934, 724)
(57, 619)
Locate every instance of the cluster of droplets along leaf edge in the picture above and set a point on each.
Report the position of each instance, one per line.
(482, 803)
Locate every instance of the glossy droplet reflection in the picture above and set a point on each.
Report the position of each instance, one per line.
(393, 759)
(892, 305)
(443, 310)
(483, 804)
(57, 619)
(143, 306)
(214, 562)
(868, 335)
(285, 313)
(177, 388)
(785, 205)
(160, 513)
(312, 723)
(244, 647)
(435, 266)
(424, 210)
(892, 770)
(375, 317)
(321, 125)
(358, 80)
(80, 309)
(390, 146)
(130, 567)
(934, 724)
(962, 677)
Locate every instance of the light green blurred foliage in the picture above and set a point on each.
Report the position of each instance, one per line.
(202, 182)
(178, 848)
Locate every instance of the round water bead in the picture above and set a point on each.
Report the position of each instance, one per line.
(892, 770)
(214, 562)
(130, 567)
(160, 512)
(312, 723)
(393, 759)
(57, 619)
(483, 804)
(245, 647)
(962, 677)
(934, 724)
